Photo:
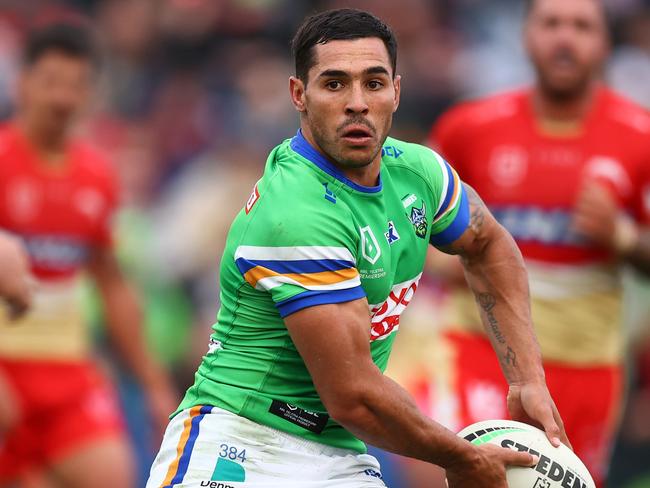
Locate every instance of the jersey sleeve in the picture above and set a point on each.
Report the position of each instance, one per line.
(446, 136)
(451, 218)
(302, 256)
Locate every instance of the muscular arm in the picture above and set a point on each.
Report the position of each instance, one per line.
(598, 217)
(355, 392)
(495, 272)
(124, 320)
(376, 409)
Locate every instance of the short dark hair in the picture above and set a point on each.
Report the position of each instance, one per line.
(336, 25)
(71, 39)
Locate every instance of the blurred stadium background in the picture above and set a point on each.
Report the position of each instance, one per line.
(192, 96)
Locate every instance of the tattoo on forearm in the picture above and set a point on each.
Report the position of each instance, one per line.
(510, 357)
(487, 302)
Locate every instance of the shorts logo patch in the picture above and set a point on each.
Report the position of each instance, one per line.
(374, 473)
(215, 484)
(227, 470)
(419, 220)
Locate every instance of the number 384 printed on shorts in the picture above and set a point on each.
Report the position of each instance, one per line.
(232, 452)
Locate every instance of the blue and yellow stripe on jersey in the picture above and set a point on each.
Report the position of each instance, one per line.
(326, 274)
(454, 199)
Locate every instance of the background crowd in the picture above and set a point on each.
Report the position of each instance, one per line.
(193, 94)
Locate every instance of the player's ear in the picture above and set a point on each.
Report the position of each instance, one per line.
(397, 83)
(297, 93)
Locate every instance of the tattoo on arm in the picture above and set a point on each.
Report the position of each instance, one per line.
(487, 302)
(477, 217)
(510, 357)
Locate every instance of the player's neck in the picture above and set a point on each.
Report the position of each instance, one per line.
(50, 145)
(366, 176)
(563, 110)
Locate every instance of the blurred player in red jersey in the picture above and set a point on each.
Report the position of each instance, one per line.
(562, 165)
(58, 196)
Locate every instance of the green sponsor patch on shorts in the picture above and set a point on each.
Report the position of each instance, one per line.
(227, 470)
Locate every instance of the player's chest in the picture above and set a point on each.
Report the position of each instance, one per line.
(393, 235)
(31, 203)
(543, 172)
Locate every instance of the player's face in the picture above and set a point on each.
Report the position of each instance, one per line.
(348, 102)
(54, 90)
(567, 43)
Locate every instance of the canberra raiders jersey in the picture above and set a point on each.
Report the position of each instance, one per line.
(309, 236)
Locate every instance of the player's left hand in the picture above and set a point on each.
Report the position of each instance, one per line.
(596, 214)
(532, 403)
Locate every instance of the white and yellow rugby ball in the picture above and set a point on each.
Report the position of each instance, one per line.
(558, 467)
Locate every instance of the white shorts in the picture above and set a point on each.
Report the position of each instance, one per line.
(213, 448)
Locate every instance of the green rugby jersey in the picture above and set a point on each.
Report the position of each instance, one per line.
(309, 236)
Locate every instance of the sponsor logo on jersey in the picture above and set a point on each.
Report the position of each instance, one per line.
(385, 316)
(216, 484)
(214, 345)
(508, 165)
(252, 200)
(418, 218)
(535, 224)
(90, 203)
(23, 199)
(312, 421)
(391, 235)
(329, 195)
(55, 252)
(370, 249)
(391, 151)
(409, 200)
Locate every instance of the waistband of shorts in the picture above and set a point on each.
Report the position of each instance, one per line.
(293, 441)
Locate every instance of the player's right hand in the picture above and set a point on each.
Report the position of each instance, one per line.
(487, 467)
(15, 278)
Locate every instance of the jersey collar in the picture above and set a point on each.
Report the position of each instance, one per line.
(300, 145)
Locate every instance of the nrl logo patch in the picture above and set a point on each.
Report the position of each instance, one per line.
(419, 220)
(369, 246)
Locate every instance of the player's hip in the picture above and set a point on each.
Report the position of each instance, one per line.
(208, 446)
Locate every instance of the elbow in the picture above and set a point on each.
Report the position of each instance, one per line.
(348, 408)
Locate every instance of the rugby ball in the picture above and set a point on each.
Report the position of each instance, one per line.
(558, 467)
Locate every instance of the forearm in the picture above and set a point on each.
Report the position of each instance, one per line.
(499, 282)
(124, 322)
(386, 416)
